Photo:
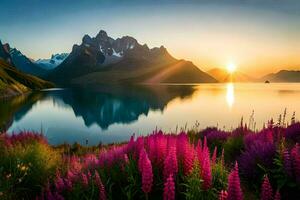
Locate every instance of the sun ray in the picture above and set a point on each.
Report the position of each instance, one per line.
(231, 68)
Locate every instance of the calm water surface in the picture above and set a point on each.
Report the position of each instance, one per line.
(113, 114)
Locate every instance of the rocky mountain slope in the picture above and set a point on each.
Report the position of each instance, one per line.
(24, 64)
(282, 76)
(102, 59)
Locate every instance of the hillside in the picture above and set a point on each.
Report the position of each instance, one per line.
(282, 76)
(14, 82)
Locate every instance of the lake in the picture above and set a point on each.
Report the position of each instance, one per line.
(112, 114)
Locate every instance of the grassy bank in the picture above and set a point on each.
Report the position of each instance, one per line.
(206, 164)
(13, 82)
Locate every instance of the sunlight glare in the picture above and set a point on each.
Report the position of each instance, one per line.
(231, 67)
(230, 94)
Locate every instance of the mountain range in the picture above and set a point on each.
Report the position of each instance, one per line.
(12, 80)
(54, 61)
(104, 60)
(282, 76)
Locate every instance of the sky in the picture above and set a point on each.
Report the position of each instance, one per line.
(258, 36)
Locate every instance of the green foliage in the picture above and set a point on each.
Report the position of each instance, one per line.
(233, 148)
(280, 176)
(193, 187)
(25, 169)
(220, 176)
(131, 191)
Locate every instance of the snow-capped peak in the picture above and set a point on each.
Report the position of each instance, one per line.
(54, 61)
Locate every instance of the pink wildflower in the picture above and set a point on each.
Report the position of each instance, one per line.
(102, 193)
(287, 163)
(214, 156)
(169, 188)
(277, 196)
(223, 195)
(188, 159)
(170, 164)
(84, 179)
(266, 190)
(141, 161)
(147, 175)
(295, 154)
(59, 184)
(234, 186)
(206, 170)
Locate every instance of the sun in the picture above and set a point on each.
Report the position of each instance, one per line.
(231, 67)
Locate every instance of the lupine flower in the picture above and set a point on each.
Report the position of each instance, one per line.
(147, 174)
(214, 156)
(266, 190)
(70, 175)
(266, 135)
(205, 143)
(139, 145)
(59, 184)
(89, 175)
(169, 188)
(90, 161)
(161, 149)
(182, 142)
(261, 153)
(216, 136)
(68, 184)
(207, 131)
(199, 150)
(84, 179)
(277, 196)
(49, 195)
(57, 196)
(188, 159)
(25, 137)
(295, 154)
(287, 163)
(170, 163)
(141, 161)
(223, 195)
(157, 144)
(130, 144)
(205, 170)
(152, 149)
(293, 132)
(204, 152)
(234, 186)
(126, 160)
(102, 193)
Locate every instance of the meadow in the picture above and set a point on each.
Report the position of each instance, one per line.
(195, 164)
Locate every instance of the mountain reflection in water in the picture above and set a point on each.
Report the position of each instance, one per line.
(113, 114)
(103, 106)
